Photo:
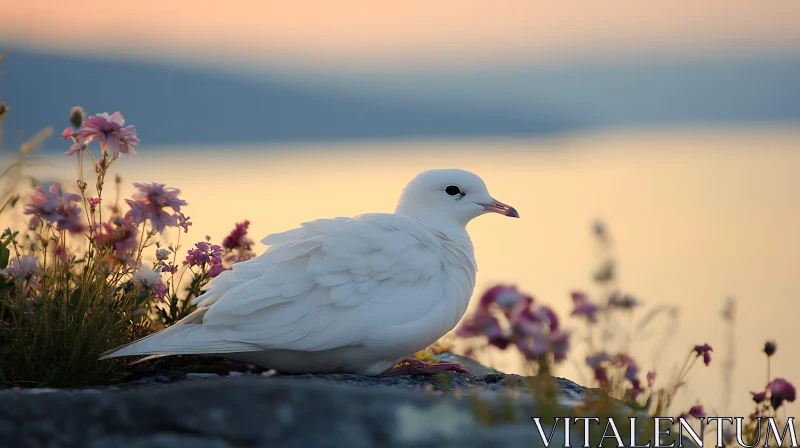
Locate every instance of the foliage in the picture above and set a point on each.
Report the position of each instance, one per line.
(507, 318)
(76, 281)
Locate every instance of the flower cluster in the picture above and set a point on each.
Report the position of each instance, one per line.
(238, 244)
(205, 255)
(118, 237)
(604, 364)
(777, 391)
(238, 239)
(94, 264)
(151, 203)
(109, 130)
(780, 390)
(24, 269)
(534, 330)
(55, 208)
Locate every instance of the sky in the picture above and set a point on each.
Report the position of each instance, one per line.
(365, 35)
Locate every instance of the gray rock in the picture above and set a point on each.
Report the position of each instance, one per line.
(301, 410)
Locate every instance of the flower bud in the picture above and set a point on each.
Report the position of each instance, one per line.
(76, 116)
(162, 254)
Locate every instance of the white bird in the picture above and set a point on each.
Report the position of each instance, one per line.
(353, 295)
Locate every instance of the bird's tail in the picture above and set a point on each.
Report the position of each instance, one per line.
(187, 337)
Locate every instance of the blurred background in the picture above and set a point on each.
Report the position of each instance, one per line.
(675, 123)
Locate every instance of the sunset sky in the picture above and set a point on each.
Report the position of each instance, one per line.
(363, 34)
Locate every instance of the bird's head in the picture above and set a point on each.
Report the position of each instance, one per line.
(446, 198)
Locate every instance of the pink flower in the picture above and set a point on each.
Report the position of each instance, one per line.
(548, 315)
(704, 351)
(215, 270)
(534, 331)
(600, 374)
(151, 202)
(55, 208)
(632, 372)
(269, 373)
(526, 322)
(183, 221)
(636, 389)
(780, 390)
(758, 397)
(44, 205)
(93, 203)
(543, 342)
(594, 361)
(119, 236)
(583, 307)
(651, 377)
(695, 411)
(234, 373)
(559, 345)
(238, 239)
(74, 149)
(204, 254)
(631, 368)
(111, 134)
(60, 252)
(510, 301)
(160, 291)
(484, 324)
(24, 269)
(77, 146)
(169, 268)
(505, 297)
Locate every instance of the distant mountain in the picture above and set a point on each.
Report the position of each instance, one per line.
(171, 105)
(637, 90)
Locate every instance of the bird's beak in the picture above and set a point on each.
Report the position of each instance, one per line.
(498, 207)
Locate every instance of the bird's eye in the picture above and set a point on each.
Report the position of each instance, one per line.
(453, 190)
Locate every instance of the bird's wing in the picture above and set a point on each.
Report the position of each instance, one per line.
(328, 284)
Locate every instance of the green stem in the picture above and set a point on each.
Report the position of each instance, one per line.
(769, 376)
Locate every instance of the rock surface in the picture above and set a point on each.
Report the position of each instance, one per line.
(253, 410)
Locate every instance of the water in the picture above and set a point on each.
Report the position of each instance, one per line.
(696, 216)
